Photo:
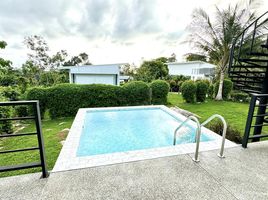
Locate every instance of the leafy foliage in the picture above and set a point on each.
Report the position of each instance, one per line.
(5, 112)
(195, 57)
(151, 70)
(188, 90)
(227, 88)
(201, 91)
(160, 91)
(65, 99)
(136, 93)
(240, 96)
(214, 38)
(41, 94)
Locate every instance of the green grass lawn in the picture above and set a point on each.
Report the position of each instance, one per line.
(52, 133)
(234, 113)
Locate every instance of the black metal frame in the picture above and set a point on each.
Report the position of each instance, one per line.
(38, 133)
(260, 122)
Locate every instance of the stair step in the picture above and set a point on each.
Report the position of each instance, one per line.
(246, 81)
(248, 86)
(251, 91)
(249, 66)
(247, 72)
(246, 76)
(258, 54)
(261, 115)
(264, 46)
(258, 136)
(253, 60)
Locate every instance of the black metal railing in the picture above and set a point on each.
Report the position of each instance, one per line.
(37, 118)
(260, 117)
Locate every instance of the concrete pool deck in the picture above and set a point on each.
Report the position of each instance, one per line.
(241, 175)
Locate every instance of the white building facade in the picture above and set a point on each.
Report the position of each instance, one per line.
(95, 74)
(195, 69)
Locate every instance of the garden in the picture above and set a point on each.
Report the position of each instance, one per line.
(59, 105)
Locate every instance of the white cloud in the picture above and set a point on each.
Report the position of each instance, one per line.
(108, 30)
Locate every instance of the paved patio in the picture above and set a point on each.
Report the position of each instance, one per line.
(241, 175)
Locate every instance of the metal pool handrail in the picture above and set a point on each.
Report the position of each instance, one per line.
(197, 136)
(223, 132)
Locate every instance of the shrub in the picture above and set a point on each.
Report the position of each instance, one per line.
(5, 112)
(10, 93)
(240, 96)
(160, 91)
(231, 134)
(227, 88)
(188, 90)
(41, 94)
(211, 91)
(66, 99)
(173, 86)
(201, 91)
(22, 111)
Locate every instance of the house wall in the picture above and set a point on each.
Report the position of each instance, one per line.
(104, 74)
(193, 69)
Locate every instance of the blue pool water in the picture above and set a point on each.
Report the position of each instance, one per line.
(126, 130)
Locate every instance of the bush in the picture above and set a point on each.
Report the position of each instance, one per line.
(231, 134)
(188, 90)
(201, 91)
(22, 111)
(211, 91)
(240, 96)
(66, 99)
(5, 112)
(10, 93)
(173, 86)
(136, 93)
(160, 91)
(227, 88)
(41, 94)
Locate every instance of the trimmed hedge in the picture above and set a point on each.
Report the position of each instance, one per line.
(135, 93)
(188, 90)
(41, 94)
(201, 91)
(227, 88)
(65, 99)
(5, 112)
(160, 90)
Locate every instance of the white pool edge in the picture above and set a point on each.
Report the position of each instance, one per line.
(68, 160)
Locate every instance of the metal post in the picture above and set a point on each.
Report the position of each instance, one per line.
(262, 109)
(249, 120)
(45, 173)
(224, 131)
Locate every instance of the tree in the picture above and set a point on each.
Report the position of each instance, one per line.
(58, 59)
(81, 59)
(172, 58)
(195, 57)
(151, 70)
(214, 38)
(39, 51)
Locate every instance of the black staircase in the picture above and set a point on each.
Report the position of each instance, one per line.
(248, 69)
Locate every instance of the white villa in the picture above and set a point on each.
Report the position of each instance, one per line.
(195, 69)
(89, 74)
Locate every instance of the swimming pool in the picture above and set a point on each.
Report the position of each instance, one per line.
(110, 131)
(103, 136)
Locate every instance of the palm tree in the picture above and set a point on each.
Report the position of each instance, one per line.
(214, 38)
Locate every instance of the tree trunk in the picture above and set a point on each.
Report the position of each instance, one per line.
(219, 94)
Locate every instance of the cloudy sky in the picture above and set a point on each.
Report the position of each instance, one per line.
(109, 31)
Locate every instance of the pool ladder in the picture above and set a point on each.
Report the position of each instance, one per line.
(198, 133)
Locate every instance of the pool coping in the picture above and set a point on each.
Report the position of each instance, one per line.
(68, 160)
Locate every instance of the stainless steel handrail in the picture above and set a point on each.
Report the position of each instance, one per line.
(197, 135)
(223, 132)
